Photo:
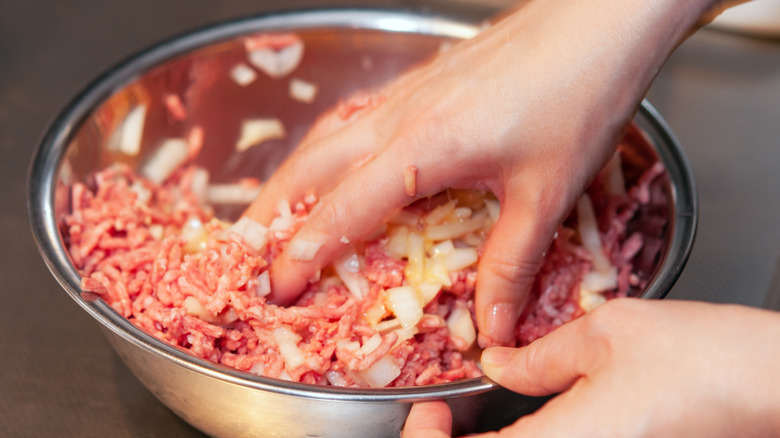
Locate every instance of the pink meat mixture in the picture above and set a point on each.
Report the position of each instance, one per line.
(128, 239)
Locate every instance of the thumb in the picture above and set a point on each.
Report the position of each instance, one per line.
(550, 364)
(507, 269)
(430, 419)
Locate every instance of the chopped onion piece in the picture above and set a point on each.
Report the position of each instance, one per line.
(252, 231)
(335, 378)
(283, 208)
(404, 304)
(193, 307)
(66, 173)
(304, 250)
(493, 208)
(132, 131)
(280, 223)
(302, 91)
(414, 270)
(589, 300)
(320, 298)
(288, 347)
(263, 284)
(589, 233)
(462, 213)
(436, 271)
(283, 221)
(453, 230)
(405, 333)
(428, 291)
(200, 184)
(481, 215)
(461, 327)
(440, 213)
(143, 194)
(614, 181)
(442, 248)
(375, 313)
(157, 231)
(390, 324)
(598, 281)
(277, 63)
(348, 268)
(258, 368)
(256, 131)
(310, 199)
(381, 373)
(232, 193)
(461, 258)
(370, 344)
(228, 316)
(243, 74)
(194, 235)
(350, 262)
(473, 239)
(166, 159)
(397, 242)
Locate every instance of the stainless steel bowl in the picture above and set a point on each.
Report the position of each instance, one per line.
(345, 50)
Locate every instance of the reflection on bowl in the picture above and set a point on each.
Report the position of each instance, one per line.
(345, 50)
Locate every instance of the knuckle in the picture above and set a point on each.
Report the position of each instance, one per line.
(607, 327)
(326, 216)
(534, 357)
(518, 272)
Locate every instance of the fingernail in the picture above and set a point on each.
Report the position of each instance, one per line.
(500, 322)
(496, 356)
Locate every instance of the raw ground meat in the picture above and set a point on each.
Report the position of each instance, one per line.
(161, 259)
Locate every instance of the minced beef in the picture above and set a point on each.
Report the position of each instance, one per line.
(161, 258)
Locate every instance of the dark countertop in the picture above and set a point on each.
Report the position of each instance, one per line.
(720, 93)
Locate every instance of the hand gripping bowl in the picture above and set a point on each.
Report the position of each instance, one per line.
(345, 50)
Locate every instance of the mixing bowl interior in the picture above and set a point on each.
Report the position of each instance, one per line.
(344, 51)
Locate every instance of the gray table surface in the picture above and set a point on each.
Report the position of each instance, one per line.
(719, 92)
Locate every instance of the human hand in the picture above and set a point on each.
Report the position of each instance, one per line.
(530, 110)
(640, 368)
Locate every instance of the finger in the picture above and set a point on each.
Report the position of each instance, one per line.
(428, 420)
(314, 168)
(550, 364)
(508, 266)
(349, 213)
